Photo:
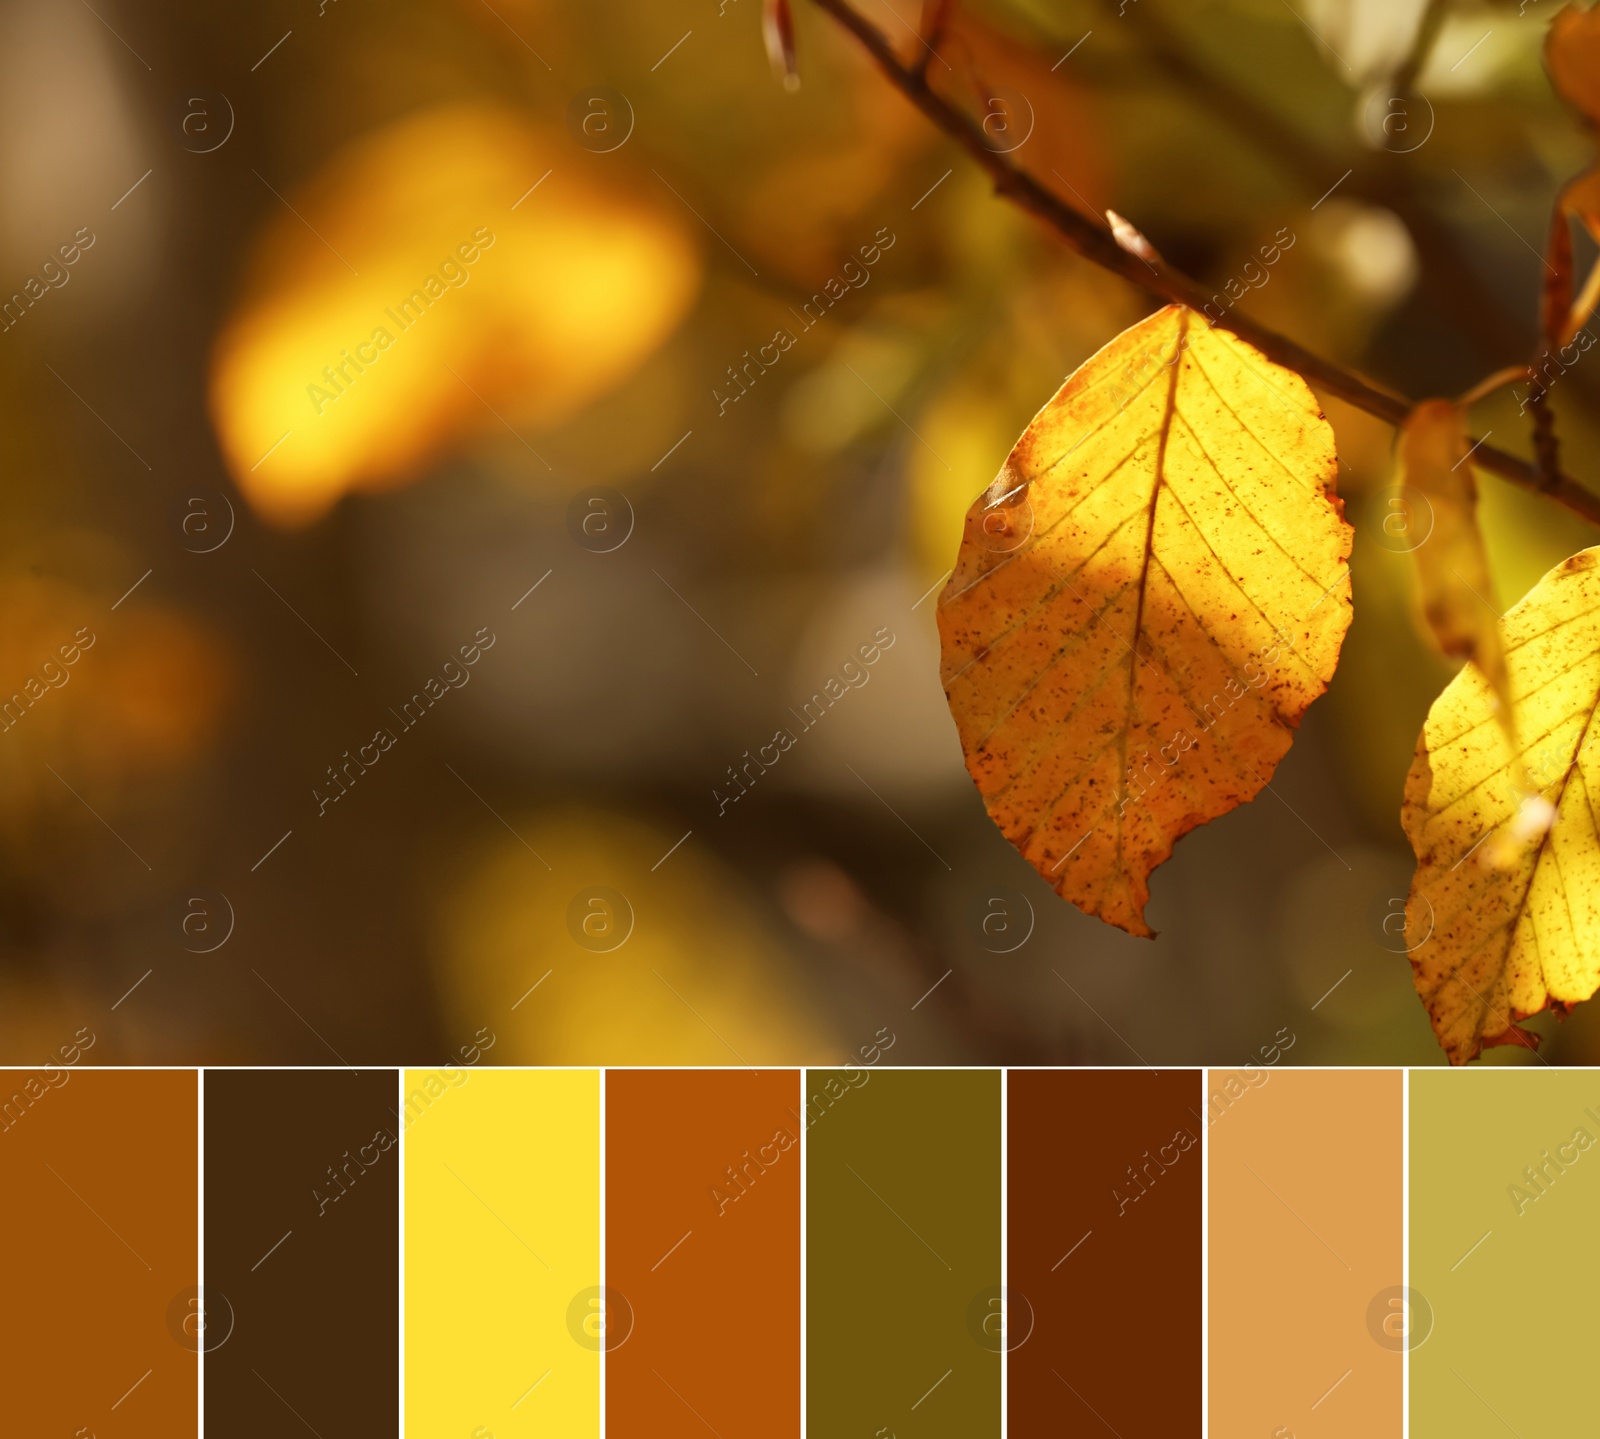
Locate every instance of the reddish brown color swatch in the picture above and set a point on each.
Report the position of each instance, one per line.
(1104, 1243)
(703, 1241)
(98, 1204)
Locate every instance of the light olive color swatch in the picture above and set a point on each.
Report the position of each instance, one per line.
(1505, 1209)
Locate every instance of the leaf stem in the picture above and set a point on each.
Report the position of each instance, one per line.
(1490, 383)
(1087, 238)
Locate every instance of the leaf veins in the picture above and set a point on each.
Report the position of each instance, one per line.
(1146, 600)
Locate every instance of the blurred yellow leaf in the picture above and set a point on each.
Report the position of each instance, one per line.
(1572, 51)
(105, 697)
(1026, 108)
(1581, 199)
(1366, 446)
(964, 430)
(872, 142)
(421, 290)
(1146, 600)
(1503, 919)
(636, 961)
(1452, 569)
(1048, 324)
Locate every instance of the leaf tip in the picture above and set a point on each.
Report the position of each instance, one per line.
(777, 30)
(1513, 1034)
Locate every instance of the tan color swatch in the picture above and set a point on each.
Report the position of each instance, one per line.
(1306, 1219)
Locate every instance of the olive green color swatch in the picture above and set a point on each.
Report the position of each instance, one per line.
(903, 1252)
(1505, 1210)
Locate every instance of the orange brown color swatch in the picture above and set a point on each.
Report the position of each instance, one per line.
(703, 1241)
(99, 1205)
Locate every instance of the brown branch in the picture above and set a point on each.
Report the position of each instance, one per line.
(1090, 240)
(1404, 79)
(1546, 447)
(1555, 303)
(935, 21)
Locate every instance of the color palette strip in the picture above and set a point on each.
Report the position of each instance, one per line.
(866, 1250)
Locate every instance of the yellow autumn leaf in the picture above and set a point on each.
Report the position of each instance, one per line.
(1572, 52)
(1145, 601)
(421, 289)
(1452, 567)
(1503, 919)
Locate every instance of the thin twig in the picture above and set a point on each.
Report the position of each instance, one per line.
(1404, 79)
(1378, 178)
(1096, 244)
(1555, 302)
(1490, 383)
(1546, 447)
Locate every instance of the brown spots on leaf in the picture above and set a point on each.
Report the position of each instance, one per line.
(1181, 581)
(1503, 919)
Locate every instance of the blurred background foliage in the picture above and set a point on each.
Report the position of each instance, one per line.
(857, 885)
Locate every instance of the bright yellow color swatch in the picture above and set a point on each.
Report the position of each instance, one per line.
(1505, 1192)
(502, 1239)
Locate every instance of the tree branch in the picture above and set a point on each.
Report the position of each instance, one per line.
(1096, 244)
(1404, 79)
(935, 21)
(1448, 279)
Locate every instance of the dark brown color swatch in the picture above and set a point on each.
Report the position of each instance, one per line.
(302, 1171)
(98, 1205)
(703, 1240)
(1105, 1244)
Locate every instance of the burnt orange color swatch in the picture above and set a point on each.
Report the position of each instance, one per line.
(1104, 1247)
(99, 1206)
(703, 1244)
(1306, 1225)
